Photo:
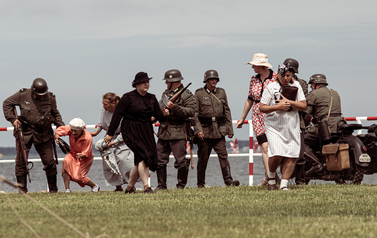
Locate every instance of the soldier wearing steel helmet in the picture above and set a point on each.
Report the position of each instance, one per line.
(300, 163)
(323, 105)
(212, 122)
(172, 131)
(38, 112)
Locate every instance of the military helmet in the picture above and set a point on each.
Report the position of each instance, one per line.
(317, 79)
(39, 86)
(173, 75)
(293, 63)
(211, 74)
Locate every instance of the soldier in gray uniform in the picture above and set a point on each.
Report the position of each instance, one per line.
(212, 122)
(172, 134)
(38, 112)
(300, 163)
(321, 97)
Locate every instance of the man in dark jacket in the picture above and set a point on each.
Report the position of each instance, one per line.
(38, 112)
(172, 135)
(212, 122)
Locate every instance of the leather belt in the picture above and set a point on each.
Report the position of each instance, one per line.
(331, 115)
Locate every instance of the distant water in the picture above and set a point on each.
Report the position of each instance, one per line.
(239, 169)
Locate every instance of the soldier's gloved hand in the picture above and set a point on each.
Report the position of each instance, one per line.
(166, 112)
(230, 135)
(200, 135)
(171, 105)
(16, 124)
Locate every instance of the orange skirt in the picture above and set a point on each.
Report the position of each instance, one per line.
(77, 169)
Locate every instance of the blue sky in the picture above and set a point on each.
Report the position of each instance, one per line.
(87, 48)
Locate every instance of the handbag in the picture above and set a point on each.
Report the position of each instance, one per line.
(289, 92)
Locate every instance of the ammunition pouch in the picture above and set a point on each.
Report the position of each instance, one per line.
(207, 121)
(45, 121)
(177, 120)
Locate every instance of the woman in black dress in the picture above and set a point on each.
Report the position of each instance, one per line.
(138, 109)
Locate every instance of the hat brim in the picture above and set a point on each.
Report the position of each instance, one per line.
(260, 64)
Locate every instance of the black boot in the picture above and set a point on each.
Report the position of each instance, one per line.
(316, 165)
(182, 178)
(300, 174)
(22, 180)
(201, 176)
(52, 187)
(161, 178)
(228, 180)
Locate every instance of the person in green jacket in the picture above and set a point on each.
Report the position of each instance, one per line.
(212, 122)
(172, 135)
(323, 105)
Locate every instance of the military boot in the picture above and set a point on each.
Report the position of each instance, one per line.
(52, 187)
(182, 178)
(201, 176)
(316, 165)
(161, 178)
(23, 181)
(228, 180)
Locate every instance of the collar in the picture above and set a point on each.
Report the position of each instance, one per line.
(209, 91)
(176, 90)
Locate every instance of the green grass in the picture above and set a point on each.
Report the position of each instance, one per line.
(303, 211)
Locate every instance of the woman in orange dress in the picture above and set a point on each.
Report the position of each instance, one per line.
(77, 162)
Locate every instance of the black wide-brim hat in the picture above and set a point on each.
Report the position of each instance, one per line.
(140, 77)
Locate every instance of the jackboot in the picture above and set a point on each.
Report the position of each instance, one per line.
(161, 178)
(201, 176)
(23, 181)
(52, 187)
(316, 165)
(228, 180)
(182, 178)
(299, 174)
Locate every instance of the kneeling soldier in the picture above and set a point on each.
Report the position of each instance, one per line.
(212, 122)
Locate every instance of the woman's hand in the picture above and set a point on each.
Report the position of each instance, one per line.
(80, 156)
(283, 104)
(56, 137)
(240, 123)
(94, 133)
(108, 139)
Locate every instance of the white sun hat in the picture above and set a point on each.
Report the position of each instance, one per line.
(77, 124)
(260, 59)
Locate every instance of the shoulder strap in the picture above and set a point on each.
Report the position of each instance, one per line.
(328, 114)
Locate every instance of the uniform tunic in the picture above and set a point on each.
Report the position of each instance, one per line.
(123, 155)
(255, 94)
(41, 137)
(212, 105)
(77, 168)
(282, 127)
(322, 97)
(171, 133)
(136, 112)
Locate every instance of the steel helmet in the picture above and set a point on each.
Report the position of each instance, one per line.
(173, 75)
(211, 74)
(317, 79)
(39, 86)
(293, 63)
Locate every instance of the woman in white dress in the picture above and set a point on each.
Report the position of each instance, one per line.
(282, 123)
(124, 156)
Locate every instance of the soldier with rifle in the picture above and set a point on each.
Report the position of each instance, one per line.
(38, 111)
(212, 122)
(178, 105)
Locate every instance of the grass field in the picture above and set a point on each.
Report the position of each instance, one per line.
(303, 211)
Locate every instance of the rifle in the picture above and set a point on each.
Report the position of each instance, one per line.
(177, 95)
(23, 147)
